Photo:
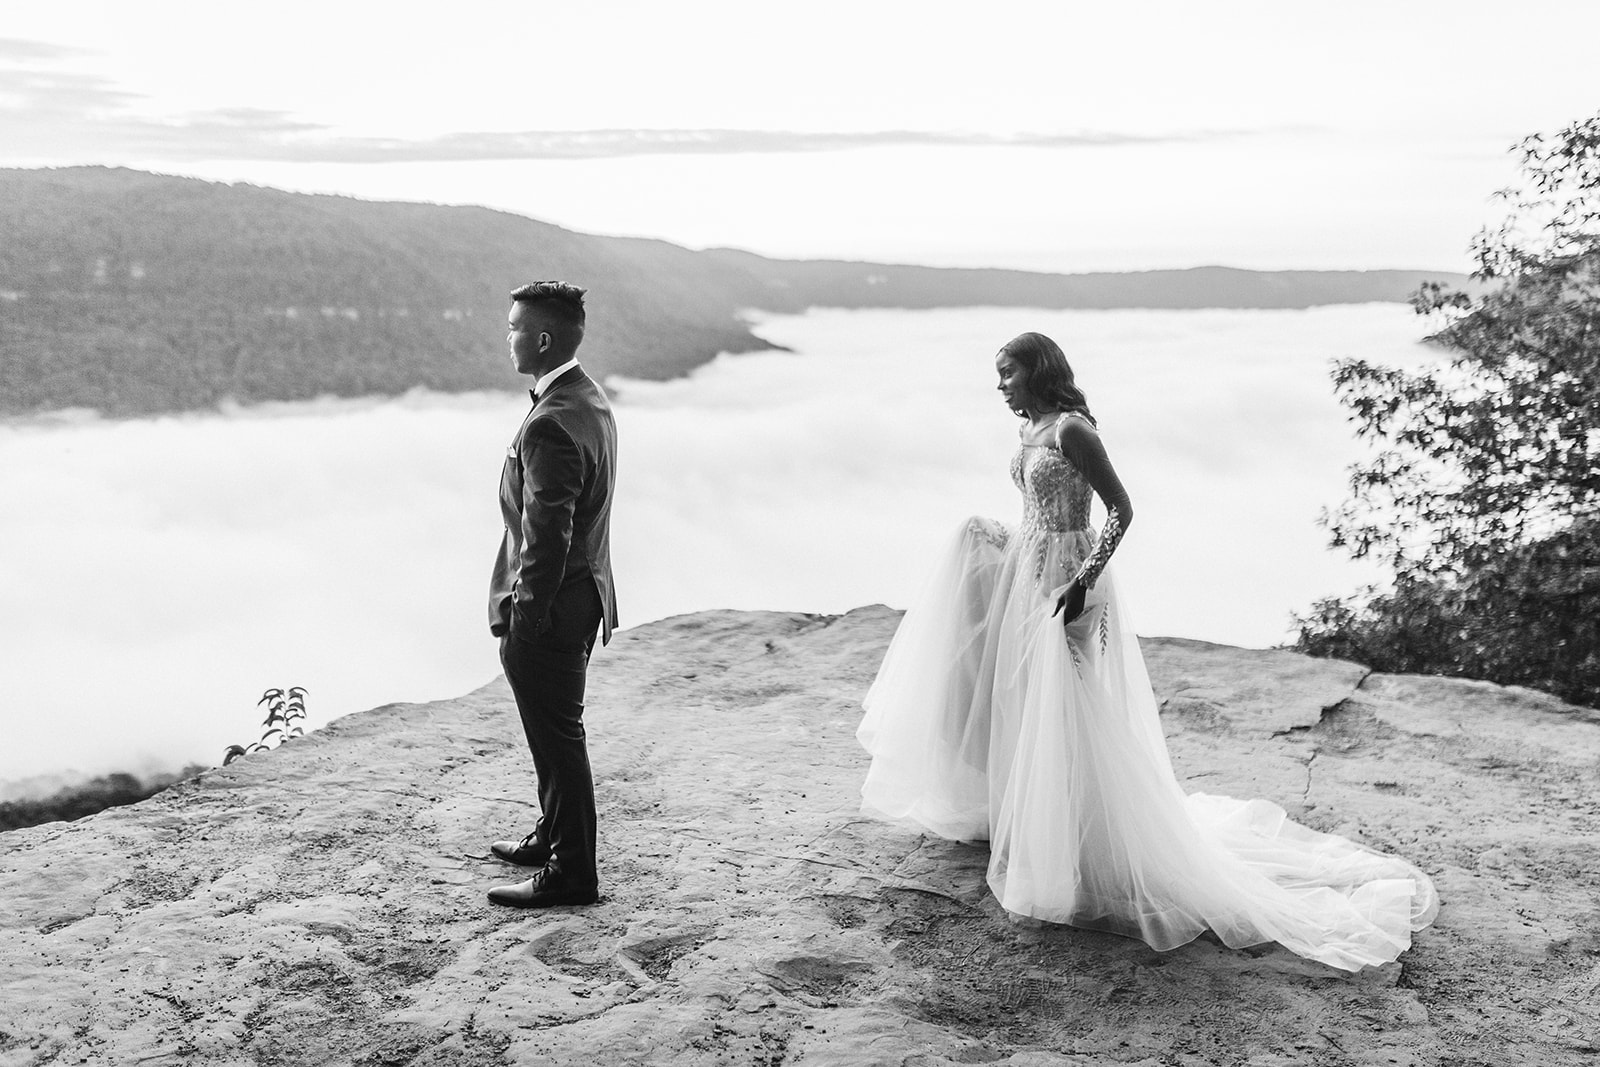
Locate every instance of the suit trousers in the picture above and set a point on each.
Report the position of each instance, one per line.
(547, 672)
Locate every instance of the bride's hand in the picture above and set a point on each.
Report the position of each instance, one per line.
(1069, 605)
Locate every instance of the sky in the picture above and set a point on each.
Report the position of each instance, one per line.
(1041, 135)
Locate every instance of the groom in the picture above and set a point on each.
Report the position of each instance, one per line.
(551, 589)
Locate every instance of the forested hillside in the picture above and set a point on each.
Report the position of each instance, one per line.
(131, 292)
(134, 293)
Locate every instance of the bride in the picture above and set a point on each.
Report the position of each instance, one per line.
(1013, 706)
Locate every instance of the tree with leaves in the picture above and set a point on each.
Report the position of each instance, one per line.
(1484, 498)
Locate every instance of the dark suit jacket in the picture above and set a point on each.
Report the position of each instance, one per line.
(555, 497)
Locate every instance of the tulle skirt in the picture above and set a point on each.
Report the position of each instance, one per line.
(990, 721)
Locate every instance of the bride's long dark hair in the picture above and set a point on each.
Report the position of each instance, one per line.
(1049, 378)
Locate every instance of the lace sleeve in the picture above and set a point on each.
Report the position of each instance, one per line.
(1080, 443)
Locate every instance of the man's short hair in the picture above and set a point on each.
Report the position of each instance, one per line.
(560, 306)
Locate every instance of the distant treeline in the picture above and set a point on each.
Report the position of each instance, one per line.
(97, 794)
(136, 293)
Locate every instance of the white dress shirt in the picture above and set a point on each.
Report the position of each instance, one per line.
(545, 379)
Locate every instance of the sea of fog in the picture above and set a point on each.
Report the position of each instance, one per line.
(156, 575)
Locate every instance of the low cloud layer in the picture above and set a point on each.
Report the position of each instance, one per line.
(345, 546)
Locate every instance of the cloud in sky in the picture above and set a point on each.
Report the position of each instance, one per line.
(14, 50)
(58, 114)
(34, 98)
(324, 147)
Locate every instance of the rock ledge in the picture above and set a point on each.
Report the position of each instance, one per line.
(324, 903)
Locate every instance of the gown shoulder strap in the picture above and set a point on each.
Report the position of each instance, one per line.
(1060, 424)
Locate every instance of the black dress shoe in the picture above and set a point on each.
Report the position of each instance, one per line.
(529, 852)
(546, 889)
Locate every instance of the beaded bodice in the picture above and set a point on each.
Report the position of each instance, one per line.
(1055, 494)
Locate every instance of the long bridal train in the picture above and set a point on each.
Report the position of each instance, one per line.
(990, 721)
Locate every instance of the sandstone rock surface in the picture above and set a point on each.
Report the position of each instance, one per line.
(324, 903)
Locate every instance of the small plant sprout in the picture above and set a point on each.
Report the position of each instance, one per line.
(285, 713)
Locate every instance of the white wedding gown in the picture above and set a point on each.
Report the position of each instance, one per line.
(989, 721)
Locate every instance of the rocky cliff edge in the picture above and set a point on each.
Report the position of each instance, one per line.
(324, 903)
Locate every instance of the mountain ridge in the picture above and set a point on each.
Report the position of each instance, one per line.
(137, 293)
